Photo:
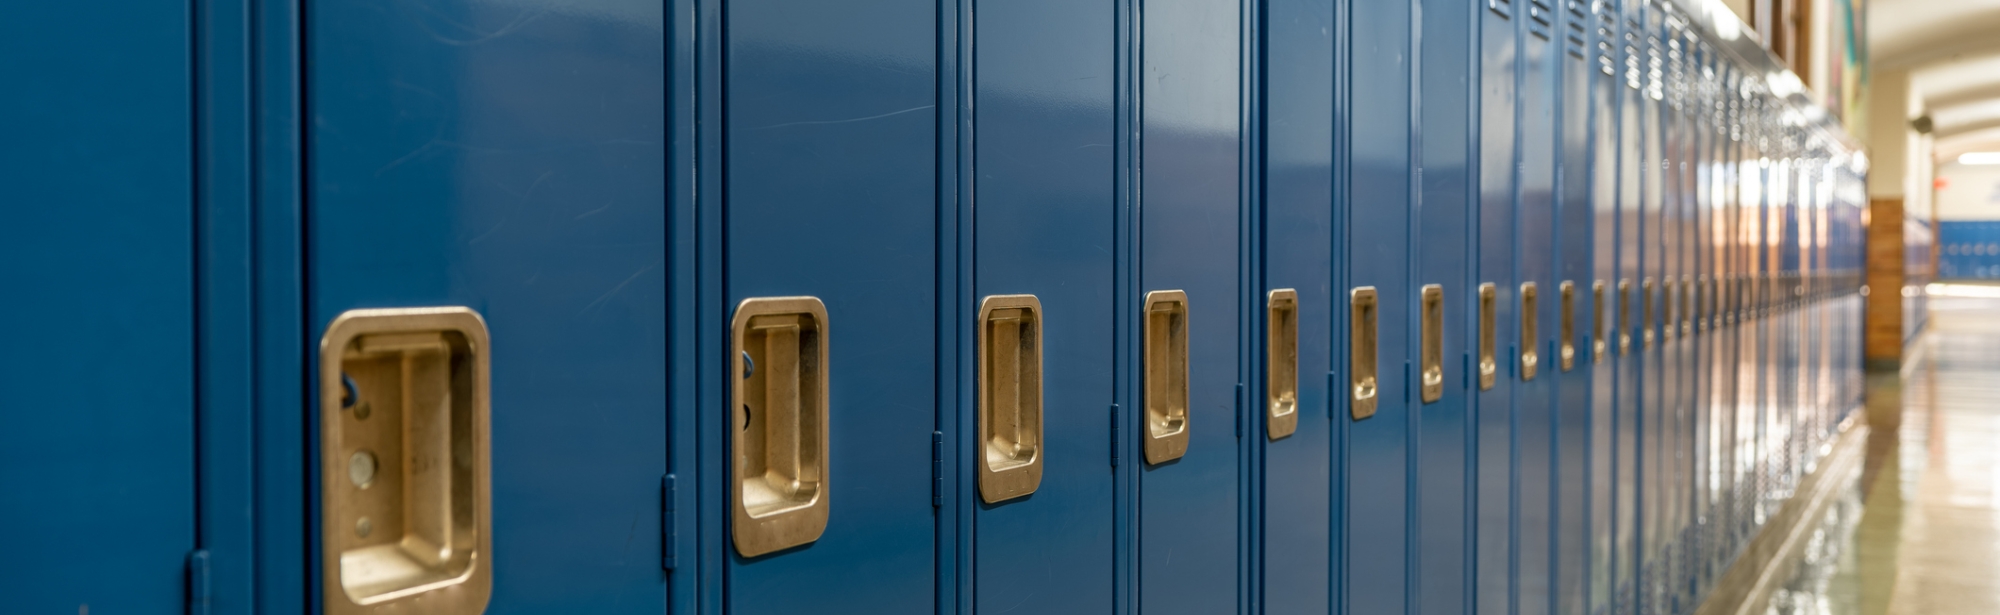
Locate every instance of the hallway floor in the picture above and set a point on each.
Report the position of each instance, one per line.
(1920, 532)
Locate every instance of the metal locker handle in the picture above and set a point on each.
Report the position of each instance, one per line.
(780, 482)
(1624, 317)
(1363, 386)
(1010, 396)
(405, 463)
(1530, 335)
(1488, 369)
(1667, 311)
(1433, 343)
(1566, 346)
(1687, 305)
(1597, 342)
(1281, 391)
(1703, 307)
(1646, 313)
(1164, 336)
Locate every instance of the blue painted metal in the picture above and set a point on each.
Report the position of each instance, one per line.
(1538, 248)
(225, 352)
(1444, 233)
(1380, 251)
(1297, 253)
(100, 474)
(1630, 313)
(1190, 225)
(455, 161)
(1970, 249)
(1605, 88)
(1494, 542)
(828, 190)
(508, 160)
(1575, 225)
(281, 550)
(1042, 208)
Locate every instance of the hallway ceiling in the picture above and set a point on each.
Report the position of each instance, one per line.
(1952, 50)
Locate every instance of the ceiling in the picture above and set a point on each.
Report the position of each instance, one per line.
(1952, 50)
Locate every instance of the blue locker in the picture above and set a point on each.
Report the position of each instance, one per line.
(1605, 301)
(1190, 220)
(1707, 324)
(1377, 491)
(1653, 411)
(1570, 362)
(1298, 242)
(1445, 233)
(1673, 374)
(1042, 213)
(1538, 250)
(100, 234)
(1631, 312)
(1493, 316)
(469, 155)
(824, 183)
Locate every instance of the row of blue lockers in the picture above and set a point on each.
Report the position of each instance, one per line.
(1969, 249)
(902, 306)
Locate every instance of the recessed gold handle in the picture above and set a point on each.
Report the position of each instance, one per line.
(1362, 382)
(1667, 310)
(1624, 316)
(1566, 343)
(1488, 369)
(1281, 347)
(1433, 343)
(1597, 342)
(1164, 335)
(1530, 336)
(1687, 305)
(405, 472)
(1010, 396)
(780, 353)
(1704, 303)
(1646, 314)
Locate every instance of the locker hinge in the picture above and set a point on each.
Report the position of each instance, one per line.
(668, 538)
(1239, 409)
(1114, 435)
(937, 469)
(198, 597)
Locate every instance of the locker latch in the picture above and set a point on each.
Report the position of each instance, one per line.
(1010, 396)
(1164, 341)
(1281, 347)
(405, 476)
(779, 481)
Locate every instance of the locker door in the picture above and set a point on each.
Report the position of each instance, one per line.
(99, 456)
(1630, 309)
(1298, 254)
(1379, 248)
(1538, 251)
(1605, 88)
(827, 190)
(1190, 219)
(468, 155)
(1445, 233)
(1492, 316)
(1708, 354)
(1653, 411)
(1042, 212)
(1570, 362)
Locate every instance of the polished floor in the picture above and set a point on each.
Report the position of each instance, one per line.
(1920, 531)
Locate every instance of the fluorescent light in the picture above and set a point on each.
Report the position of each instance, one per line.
(1979, 158)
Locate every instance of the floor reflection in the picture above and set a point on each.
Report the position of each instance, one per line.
(1919, 532)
